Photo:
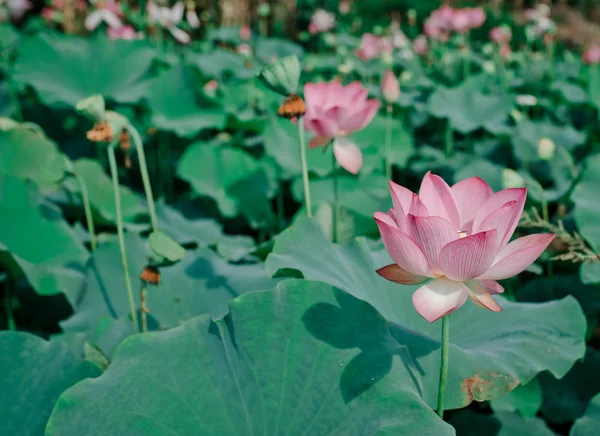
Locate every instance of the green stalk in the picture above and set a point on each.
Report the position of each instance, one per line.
(467, 59)
(443, 365)
(336, 204)
(143, 308)
(388, 143)
(304, 167)
(115, 179)
(501, 70)
(570, 162)
(85, 199)
(137, 140)
(449, 139)
(8, 305)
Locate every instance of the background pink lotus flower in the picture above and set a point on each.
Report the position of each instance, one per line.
(245, 33)
(369, 47)
(107, 12)
(125, 32)
(334, 111)
(321, 21)
(458, 236)
(501, 34)
(461, 21)
(592, 55)
(420, 45)
(476, 16)
(390, 88)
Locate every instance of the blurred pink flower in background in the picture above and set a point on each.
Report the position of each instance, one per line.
(476, 16)
(501, 34)
(420, 45)
(461, 21)
(321, 21)
(17, 8)
(245, 33)
(344, 7)
(390, 88)
(125, 32)
(458, 236)
(244, 49)
(592, 55)
(445, 20)
(369, 47)
(333, 112)
(169, 18)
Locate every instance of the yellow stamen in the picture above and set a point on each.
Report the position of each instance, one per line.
(462, 234)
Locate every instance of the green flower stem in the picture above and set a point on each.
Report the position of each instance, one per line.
(137, 140)
(304, 165)
(388, 143)
(449, 139)
(89, 218)
(8, 305)
(501, 70)
(466, 59)
(336, 203)
(443, 365)
(570, 162)
(115, 179)
(144, 308)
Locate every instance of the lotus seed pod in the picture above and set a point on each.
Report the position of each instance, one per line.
(546, 148)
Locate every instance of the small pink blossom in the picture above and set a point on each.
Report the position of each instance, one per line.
(333, 112)
(390, 88)
(48, 14)
(501, 35)
(459, 237)
(321, 21)
(461, 21)
(592, 55)
(245, 33)
(476, 16)
(244, 49)
(344, 7)
(125, 32)
(369, 47)
(420, 45)
(505, 51)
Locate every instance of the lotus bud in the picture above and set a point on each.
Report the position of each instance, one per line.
(282, 76)
(526, 100)
(92, 107)
(264, 10)
(512, 179)
(412, 17)
(390, 88)
(546, 149)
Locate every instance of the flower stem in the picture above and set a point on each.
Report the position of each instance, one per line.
(304, 167)
(115, 179)
(144, 308)
(85, 198)
(449, 139)
(336, 203)
(569, 161)
(388, 143)
(137, 140)
(443, 365)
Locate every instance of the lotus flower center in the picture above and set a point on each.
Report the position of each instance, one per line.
(462, 234)
(342, 132)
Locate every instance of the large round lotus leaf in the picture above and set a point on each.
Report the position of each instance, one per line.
(26, 154)
(299, 359)
(467, 108)
(66, 69)
(504, 350)
(588, 424)
(525, 399)
(37, 241)
(468, 423)
(202, 283)
(362, 195)
(102, 198)
(220, 173)
(566, 399)
(587, 211)
(271, 49)
(177, 107)
(34, 374)
(220, 64)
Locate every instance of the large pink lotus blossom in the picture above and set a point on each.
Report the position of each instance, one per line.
(321, 21)
(333, 112)
(458, 236)
(592, 55)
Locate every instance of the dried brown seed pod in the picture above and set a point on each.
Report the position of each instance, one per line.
(150, 275)
(293, 106)
(101, 132)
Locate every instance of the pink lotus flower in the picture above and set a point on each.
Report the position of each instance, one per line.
(245, 33)
(461, 21)
(420, 45)
(390, 88)
(125, 32)
(592, 55)
(321, 21)
(334, 111)
(476, 16)
(501, 35)
(458, 236)
(369, 47)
